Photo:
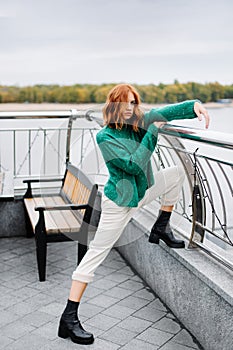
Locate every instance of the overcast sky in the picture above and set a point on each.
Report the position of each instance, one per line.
(102, 41)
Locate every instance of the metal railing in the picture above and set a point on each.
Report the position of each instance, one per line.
(203, 212)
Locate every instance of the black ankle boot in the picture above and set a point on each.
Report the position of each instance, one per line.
(70, 325)
(162, 230)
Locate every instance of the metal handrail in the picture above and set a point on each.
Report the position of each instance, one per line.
(210, 137)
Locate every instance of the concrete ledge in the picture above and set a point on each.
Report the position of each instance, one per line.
(197, 289)
(12, 218)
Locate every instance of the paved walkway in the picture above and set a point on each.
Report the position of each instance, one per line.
(121, 311)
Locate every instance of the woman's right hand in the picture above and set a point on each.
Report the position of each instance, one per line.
(159, 124)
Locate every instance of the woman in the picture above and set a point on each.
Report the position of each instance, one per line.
(127, 142)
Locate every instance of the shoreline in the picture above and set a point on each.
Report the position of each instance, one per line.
(8, 107)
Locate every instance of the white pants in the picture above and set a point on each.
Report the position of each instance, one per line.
(168, 183)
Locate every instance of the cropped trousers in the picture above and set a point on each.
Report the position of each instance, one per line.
(113, 219)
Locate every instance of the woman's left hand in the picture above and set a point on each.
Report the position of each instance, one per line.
(201, 111)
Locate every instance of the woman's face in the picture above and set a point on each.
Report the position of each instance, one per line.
(129, 106)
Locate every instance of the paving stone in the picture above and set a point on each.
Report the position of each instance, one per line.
(22, 269)
(92, 292)
(149, 314)
(102, 321)
(174, 346)
(185, 338)
(16, 329)
(131, 285)
(167, 325)
(134, 324)
(101, 344)
(157, 304)
(54, 309)
(96, 331)
(16, 283)
(53, 270)
(118, 311)
(133, 302)
(3, 289)
(61, 344)
(8, 255)
(114, 254)
(27, 342)
(118, 335)
(32, 277)
(115, 264)
(127, 271)
(49, 285)
(104, 283)
(117, 292)
(5, 267)
(8, 275)
(4, 341)
(104, 270)
(8, 300)
(37, 318)
(89, 310)
(59, 277)
(41, 299)
(137, 344)
(48, 330)
(103, 301)
(170, 315)
(26, 292)
(117, 277)
(7, 317)
(155, 336)
(137, 279)
(22, 308)
(145, 294)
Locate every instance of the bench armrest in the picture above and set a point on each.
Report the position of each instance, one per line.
(28, 193)
(62, 207)
(42, 180)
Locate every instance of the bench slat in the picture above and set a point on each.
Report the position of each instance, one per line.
(69, 217)
(69, 184)
(61, 224)
(33, 215)
(51, 226)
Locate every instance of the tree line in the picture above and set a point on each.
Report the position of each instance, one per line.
(87, 93)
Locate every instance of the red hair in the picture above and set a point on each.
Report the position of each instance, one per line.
(113, 111)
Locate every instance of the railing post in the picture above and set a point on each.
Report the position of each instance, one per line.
(68, 136)
(197, 210)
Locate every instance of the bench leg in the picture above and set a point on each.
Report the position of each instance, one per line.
(29, 230)
(41, 249)
(82, 249)
(41, 254)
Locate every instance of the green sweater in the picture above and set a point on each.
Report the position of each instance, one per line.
(127, 153)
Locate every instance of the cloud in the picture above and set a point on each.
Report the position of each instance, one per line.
(51, 39)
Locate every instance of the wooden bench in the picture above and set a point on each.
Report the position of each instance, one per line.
(62, 217)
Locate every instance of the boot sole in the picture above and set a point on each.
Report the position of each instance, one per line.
(65, 333)
(155, 239)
